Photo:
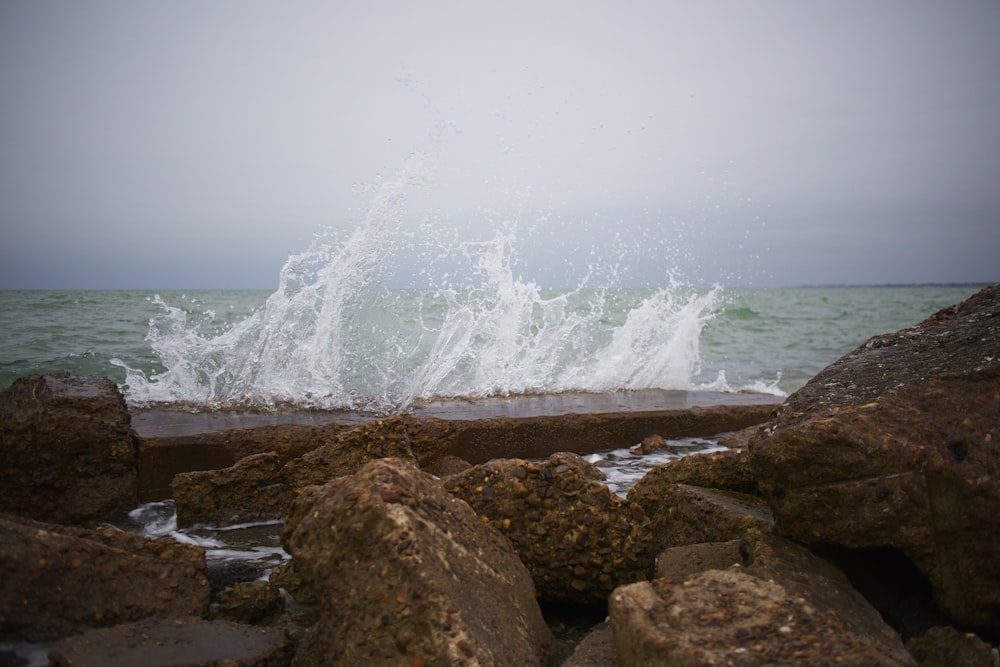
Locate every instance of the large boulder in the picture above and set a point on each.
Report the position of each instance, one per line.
(59, 579)
(731, 617)
(408, 574)
(897, 445)
(578, 540)
(67, 451)
(762, 600)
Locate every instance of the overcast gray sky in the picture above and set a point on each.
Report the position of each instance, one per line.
(196, 143)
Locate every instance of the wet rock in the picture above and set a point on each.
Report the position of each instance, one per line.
(404, 571)
(249, 491)
(680, 563)
(733, 617)
(169, 643)
(67, 452)
(596, 650)
(251, 603)
(578, 540)
(650, 444)
(897, 445)
(261, 487)
(686, 514)
(59, 579)
(944, 646)
(727, 470)
(348, 451)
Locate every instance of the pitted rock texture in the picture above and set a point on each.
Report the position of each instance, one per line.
(58, 579)
(67, 450)
(578, 539)
(897, 444)
(406, 573)
(731, 617)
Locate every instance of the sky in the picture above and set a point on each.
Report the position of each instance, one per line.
(197, 143)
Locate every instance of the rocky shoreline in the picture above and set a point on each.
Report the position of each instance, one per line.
(855, 523)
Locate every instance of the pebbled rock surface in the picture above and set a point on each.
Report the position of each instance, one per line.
(406, 573)
(67, 450)
(578, 540)
(172, 643)
(897, 444)
(684, 514)
(58, 579)
(731, 617)
(261, 487)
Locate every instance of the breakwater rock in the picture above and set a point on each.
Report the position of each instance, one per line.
(889, 461)
(404, 570)
(578, 540)
(67, 452)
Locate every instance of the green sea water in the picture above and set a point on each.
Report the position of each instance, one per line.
(426, 343)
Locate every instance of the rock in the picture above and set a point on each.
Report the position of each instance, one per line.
(728, 471)
(260, 487)
(897, 445)
(578, 540)
(944, 646)
(249, 491)
(58, 579)
(686, 514)
(251, 603)
(404, 571)
(169, 643)
(596, 650)
(722, 617)
(680, 563)
(67, 451)
(650, 444)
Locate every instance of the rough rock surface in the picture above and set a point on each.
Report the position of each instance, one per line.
(686, 514)
(944, 646)
(249, 491)
(404, 571)
(67, 452)
(897, 444)
(679, 563)
(578, 540)
(731, 617)
(728, 470)
(596, 650)
(261, 486)
(187, 642)
(57, 579)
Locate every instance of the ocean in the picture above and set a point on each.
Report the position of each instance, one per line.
(381, 350)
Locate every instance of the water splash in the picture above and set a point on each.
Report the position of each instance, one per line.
(334, 336)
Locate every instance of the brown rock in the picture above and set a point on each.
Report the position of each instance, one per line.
(67, 452)
(578, 540)
(596, 650)
(261, 487)
(169, 643)
(897, 445)
(944, 646)
(727, 471)
(57, 579)
(249, 491)
(348, 451)
(251, 602)
(686, 514)
(680, 563)
(407, 572)
(722, 617)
